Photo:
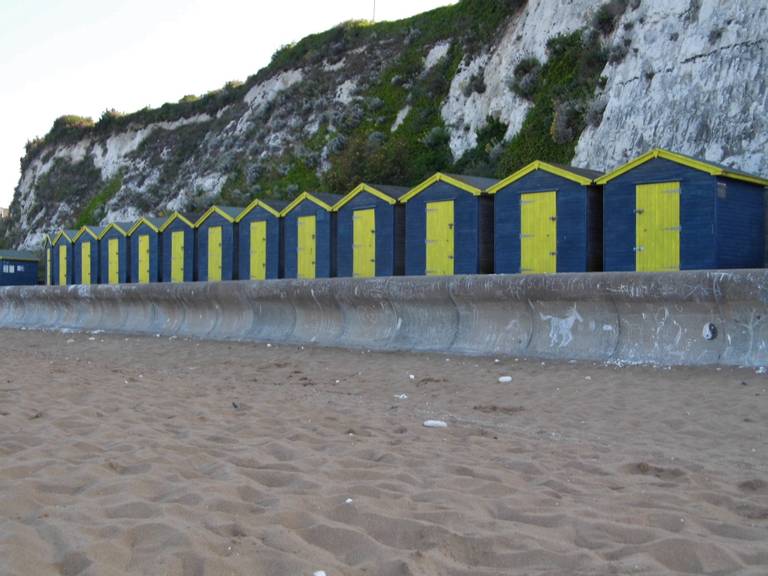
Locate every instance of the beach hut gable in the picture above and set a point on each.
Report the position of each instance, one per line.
(257, 204)
(92, 232)
(567, 172)
(361, 188)
(176, 216)
(710, 168)
(305, 196)
(153, 224)
(451, 179)
(229, 214)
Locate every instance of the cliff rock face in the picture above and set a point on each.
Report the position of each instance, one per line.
(395, 101)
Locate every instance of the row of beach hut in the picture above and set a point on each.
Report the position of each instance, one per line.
(662, 211)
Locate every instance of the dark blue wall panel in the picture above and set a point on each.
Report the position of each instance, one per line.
(323, 232)
(86, 238)
(18, 273)
(273, 243)
(154, 253)
(386, 246)
(740, 224)
(189, 250)
(697, 215)
(227, 247)
(467, 233)
(123, 258)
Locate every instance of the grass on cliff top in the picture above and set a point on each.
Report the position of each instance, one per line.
(473, 21)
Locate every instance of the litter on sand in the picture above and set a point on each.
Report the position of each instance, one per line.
(505, 379)
(435, 424)
(319, 573)
(348, 501)
(401, 396)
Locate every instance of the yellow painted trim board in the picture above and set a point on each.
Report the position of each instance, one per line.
(109, 227)
(59, 235)
(300, 198)
(364, 243)
(63, 263)
(439, 177)
(175, 216)
(359, 190)
(143, 259)
(700, 165)
(141, 221)
(657, 227)
(538, 233)
(440, 238)
(113, 260)
(539, 165)
(177, 256)
(214, 254)
(258, 250)
(213, 210)
(306, 247)
(256, 204)
(85, 229)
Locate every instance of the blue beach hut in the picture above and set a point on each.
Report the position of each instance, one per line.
(547, 218)
(370, 232)
(86, 249)
(144, 252)
(62, 258)
(113, 253)
(449, 226)
(259, 238)
(18, 268)
(667, 211)
(177, 252)
(216, 243)
(309, 236)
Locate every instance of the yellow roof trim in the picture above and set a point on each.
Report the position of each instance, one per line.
(139, 222)
(112, 225)
(213, 210)
(300, 198)
(700, 165)
(439, 177)
(539, 165)
(83, 230)
(175, 216)
(256, 204)
(58, 236)
(363, 187)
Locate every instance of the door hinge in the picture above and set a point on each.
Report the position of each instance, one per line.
(639, 210)
(638, 249)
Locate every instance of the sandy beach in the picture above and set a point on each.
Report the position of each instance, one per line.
(156, 456)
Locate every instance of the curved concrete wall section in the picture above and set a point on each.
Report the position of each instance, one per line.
(670, 318)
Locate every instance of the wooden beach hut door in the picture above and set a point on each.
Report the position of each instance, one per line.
(177, 256)
(48, 269)
(440, 245)
(214, 254)
(113, 252)
(144, 259)
(306, 246)
(538, 233)
(364, 243)
(85, 260)
(657, 227)
(62, 265)
(258, 250)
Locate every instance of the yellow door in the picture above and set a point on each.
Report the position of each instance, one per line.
(144, 259)
(48, 270)
(657, 227)
(214, 254)
(62, 265)
(538, 233)
(177, 256)
(258, 250)
(85, 263)
(440, 238)
(307, 247)
(113, 253)
(364, 243)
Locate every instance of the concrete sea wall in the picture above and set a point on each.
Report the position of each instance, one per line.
(708, 317)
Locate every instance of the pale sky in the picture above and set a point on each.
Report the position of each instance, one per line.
(85, 56)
